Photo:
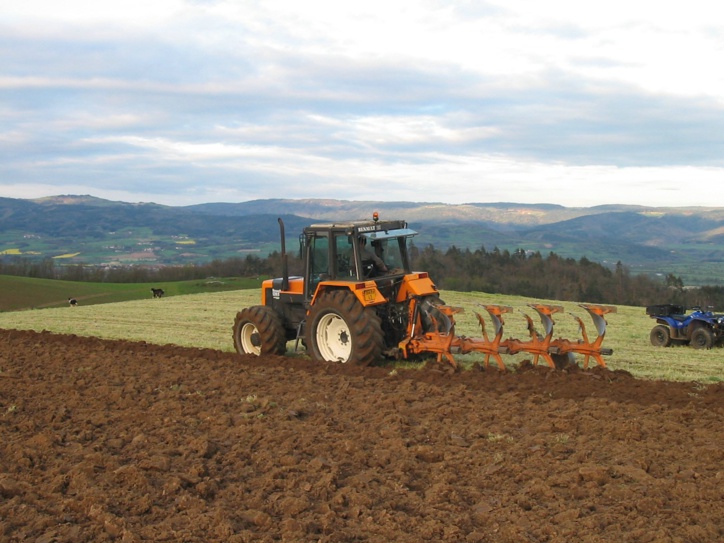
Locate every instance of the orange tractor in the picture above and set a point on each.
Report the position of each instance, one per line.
(359, 301)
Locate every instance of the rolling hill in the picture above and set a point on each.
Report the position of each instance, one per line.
(86, 230)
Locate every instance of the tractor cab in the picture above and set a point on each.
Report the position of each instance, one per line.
(366, 258)
(354, 252)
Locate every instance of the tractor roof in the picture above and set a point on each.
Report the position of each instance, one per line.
(362, 226)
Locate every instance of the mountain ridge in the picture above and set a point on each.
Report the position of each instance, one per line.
(687, 241)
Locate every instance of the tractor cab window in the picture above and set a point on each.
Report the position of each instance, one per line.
(318, 263)
(389, 251)
(391, 247)
(344, 256)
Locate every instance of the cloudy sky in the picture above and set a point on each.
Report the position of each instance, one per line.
(189, 101)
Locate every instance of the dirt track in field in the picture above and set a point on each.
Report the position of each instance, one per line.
(118, 441)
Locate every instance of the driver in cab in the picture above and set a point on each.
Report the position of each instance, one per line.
(368, 254)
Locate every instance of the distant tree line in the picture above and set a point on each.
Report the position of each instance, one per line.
(519, 272)
(552, 277)
(48, 269)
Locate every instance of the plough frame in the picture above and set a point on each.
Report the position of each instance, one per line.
(555, 352)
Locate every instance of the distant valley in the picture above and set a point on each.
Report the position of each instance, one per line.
(688, 242)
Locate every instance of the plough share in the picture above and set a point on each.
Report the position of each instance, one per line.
(556, 353)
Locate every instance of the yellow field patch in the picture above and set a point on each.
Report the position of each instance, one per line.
(67, 255)
(11, 252)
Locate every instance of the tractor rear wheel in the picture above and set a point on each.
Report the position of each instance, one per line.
(340, 329)
(702, 338)
(259, 330)
(660, 336)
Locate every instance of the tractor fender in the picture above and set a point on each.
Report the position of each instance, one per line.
(416, 284)
(366, 291)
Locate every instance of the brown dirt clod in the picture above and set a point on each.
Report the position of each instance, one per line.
(120, 441)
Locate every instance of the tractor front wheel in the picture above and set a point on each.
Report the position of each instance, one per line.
(259, 330)
(660, 336)
(340, 329)
(702, 338)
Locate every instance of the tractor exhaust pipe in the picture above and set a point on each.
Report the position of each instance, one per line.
(285, 265)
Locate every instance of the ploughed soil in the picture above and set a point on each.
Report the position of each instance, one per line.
(120, 441)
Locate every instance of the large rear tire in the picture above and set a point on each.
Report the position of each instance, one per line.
(259, 330)
(434, 320)
(340, 329)
(660, 336)
(702, 338)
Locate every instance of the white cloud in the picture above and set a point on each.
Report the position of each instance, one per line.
(82, 12)
(518, 100)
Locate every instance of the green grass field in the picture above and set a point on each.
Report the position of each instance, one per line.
(19, 293)
(193, 317)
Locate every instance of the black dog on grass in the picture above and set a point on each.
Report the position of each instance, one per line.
(157, 292)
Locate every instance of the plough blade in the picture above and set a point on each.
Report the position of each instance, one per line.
(441, 339)
(538, 345)
(584, 346)
(485, 345)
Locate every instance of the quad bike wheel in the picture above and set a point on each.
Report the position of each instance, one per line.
(340, 329)
(660, 336)
(259, 330)
(702, 338)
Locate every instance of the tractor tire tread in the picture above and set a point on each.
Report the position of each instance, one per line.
(364, 325)
(269, 325)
